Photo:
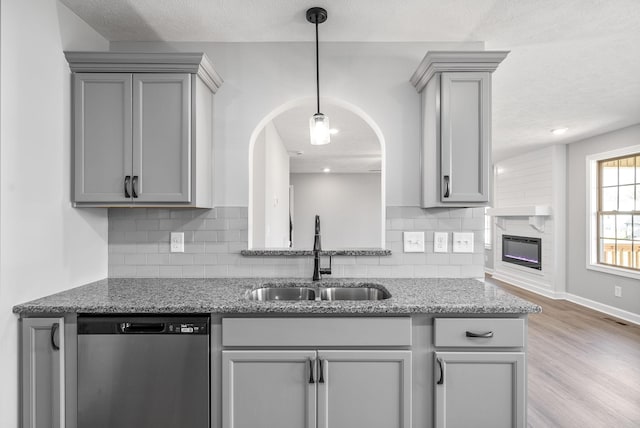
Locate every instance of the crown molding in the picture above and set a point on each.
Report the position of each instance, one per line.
(439, 61)
(134, 62)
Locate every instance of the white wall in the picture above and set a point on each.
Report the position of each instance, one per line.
(258, 178)
(260, 77)
(588, 284)
(276, 188)
(348, 206)
(533, 178)
(270, 191)
(46, 245)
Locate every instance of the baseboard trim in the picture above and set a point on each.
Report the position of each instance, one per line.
(527, 284)
(606, 309)
(588, 303)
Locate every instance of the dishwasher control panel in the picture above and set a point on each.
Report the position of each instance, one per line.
(195, 325)
(187, 328)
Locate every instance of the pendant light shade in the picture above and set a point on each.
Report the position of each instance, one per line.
(319, 128)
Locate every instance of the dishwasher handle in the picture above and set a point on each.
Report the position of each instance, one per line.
(141, 327)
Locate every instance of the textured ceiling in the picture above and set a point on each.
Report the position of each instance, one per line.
(573, 63)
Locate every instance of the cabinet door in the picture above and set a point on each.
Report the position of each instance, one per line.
(364, 389)
(43, 373)
(268, 389)
(102, 136)
(162, 138)
(465, 137)
(480, 389)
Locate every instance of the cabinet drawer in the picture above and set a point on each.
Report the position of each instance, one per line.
(479, 332)
(365, 331)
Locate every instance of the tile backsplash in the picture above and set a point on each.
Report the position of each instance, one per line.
(139, 246)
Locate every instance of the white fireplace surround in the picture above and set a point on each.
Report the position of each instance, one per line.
(537, 215)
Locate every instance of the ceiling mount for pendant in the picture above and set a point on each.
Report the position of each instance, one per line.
(316, 15)
(319, 123)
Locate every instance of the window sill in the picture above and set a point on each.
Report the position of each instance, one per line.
(614, 271)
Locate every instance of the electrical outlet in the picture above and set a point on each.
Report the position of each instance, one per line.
(414, 242)
(463, 242)
(617, 291)
(177, 242)
(440, 242)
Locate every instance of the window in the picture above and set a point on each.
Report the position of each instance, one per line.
(618, 212)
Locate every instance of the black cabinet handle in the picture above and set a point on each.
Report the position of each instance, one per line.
(321, 378)
(311, 363)
(441, 365)
(134, 182)
(54, 328)
(486, 335)
(446, 186)
(127, 180)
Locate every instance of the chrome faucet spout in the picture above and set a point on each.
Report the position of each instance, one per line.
(317, 247)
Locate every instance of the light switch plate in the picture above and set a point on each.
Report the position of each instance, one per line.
(463, 242)
(177, 242)
(440, 242)
(414, 242)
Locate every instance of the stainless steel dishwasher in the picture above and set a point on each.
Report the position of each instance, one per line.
(143, 371)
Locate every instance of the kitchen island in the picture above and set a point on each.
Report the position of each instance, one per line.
(437, 353)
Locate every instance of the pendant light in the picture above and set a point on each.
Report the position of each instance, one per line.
(319, 129)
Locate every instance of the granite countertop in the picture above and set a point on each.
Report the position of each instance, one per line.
(227, 296)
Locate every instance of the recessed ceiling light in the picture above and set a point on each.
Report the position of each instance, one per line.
(326, 169)
(333, 131)
(559, 131)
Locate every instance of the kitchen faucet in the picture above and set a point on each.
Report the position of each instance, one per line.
(317, 270)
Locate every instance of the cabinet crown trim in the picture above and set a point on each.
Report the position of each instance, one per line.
(439, 61)
(136, 62)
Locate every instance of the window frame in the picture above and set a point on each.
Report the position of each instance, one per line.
(593, 211)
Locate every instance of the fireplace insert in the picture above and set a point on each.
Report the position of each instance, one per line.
(522, 250)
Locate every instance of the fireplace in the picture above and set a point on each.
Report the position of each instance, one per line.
(522, 250)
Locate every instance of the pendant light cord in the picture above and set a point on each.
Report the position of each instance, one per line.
(317, 69)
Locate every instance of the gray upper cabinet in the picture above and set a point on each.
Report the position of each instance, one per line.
(455, 91)
(143, 129)
(161, 138)
(103, 136)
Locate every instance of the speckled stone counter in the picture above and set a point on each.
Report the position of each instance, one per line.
(228, 295)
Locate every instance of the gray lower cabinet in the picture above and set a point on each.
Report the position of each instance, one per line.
(143, 135)
(480, 390)
(455, 90)
(265, 389)
(324, 388)
(480, 372)
(43, 373)
(364, 389)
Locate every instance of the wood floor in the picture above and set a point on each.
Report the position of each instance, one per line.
(584, 366)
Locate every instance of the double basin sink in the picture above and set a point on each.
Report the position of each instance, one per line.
(355, 291)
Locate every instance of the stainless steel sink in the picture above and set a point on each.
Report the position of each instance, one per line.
(265, 294)
(293, 292)
(353, 293)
